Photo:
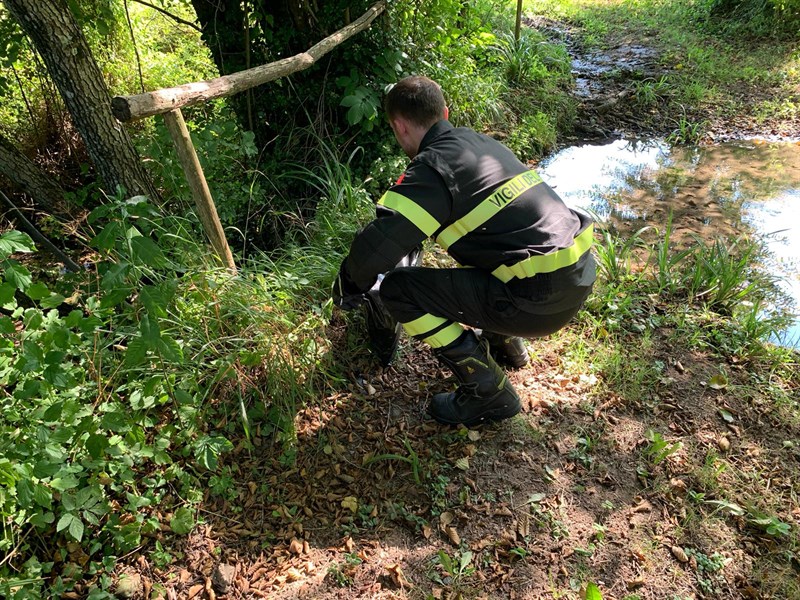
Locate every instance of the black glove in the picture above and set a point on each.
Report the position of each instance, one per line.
(346, 295)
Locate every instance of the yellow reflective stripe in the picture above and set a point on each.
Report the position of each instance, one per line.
(411, 211)
(423, 325)
(496, 202)
(446, 336)
(547, 263)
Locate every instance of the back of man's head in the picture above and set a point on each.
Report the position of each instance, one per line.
(418, 99)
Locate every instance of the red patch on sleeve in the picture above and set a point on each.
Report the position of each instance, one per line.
(400, 179)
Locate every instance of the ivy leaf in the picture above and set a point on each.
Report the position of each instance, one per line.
(208, 449)
(182, 521)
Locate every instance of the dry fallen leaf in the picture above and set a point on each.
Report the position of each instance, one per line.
(397, 575)
(296, 546)
(350, 502)
(679, 554)
(453, 535)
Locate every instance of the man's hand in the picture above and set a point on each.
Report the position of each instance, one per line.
(345, 294)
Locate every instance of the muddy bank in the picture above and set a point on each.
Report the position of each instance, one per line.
(623, 91)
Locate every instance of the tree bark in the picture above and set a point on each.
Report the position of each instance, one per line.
(60, 41)
(28, 178)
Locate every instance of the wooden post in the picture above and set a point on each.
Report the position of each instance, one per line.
(519, 20)
(199, 187)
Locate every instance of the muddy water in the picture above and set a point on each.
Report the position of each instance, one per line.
(737, 187)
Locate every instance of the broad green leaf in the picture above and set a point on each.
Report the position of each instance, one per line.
(25, 493)
(147, 252)
(593, 592)
(42, 520)
(16, 274)
(154, 300)
(37, 291)
(7, 291)
(76, 529)
(52, 301)
(106, 239)
(208, 449)
(718, 382)
(15, 241)
(136, 352)
(170, 349)
(6, 324)
(115, 421)
(182, 521)
(151, 332)
(96, 445)
(726, 415)
(42, 496)
(62, 484)
(72, 523)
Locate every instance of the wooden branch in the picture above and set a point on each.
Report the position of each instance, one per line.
(169, 14)
(128, 108)
(206, 210)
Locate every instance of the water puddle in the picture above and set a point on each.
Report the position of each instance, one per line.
(737, 187)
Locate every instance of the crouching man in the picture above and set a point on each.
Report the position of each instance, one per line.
(526, 266)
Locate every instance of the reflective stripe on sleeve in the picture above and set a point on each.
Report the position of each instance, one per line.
(547, 263)
(488, 208)
(412, 211)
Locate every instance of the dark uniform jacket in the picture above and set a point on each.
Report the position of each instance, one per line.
(486, 208)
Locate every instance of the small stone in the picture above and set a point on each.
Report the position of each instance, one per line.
(222, 577)
(724, 444)
(129, 586)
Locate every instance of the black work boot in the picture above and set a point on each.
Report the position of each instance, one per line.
(507, 350)
(382, 328)
(485, 394)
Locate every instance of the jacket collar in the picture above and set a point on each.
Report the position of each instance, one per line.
(435, 131)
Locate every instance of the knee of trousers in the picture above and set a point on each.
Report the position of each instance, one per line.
(396, 295)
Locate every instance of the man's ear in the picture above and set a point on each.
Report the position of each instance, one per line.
(399, 125)
(446, 113)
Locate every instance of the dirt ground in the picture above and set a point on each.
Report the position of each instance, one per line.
(374, 500)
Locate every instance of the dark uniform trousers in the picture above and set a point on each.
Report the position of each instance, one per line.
(529, 308)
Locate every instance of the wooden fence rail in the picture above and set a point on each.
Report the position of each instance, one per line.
(169, 101)
(128, 108)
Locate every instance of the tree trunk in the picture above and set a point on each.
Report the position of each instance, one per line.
(25, 175)
(60, 42)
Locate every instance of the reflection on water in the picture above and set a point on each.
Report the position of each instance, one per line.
(712, 191)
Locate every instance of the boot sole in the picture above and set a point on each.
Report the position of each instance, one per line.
(512, 364)
(491, 415)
